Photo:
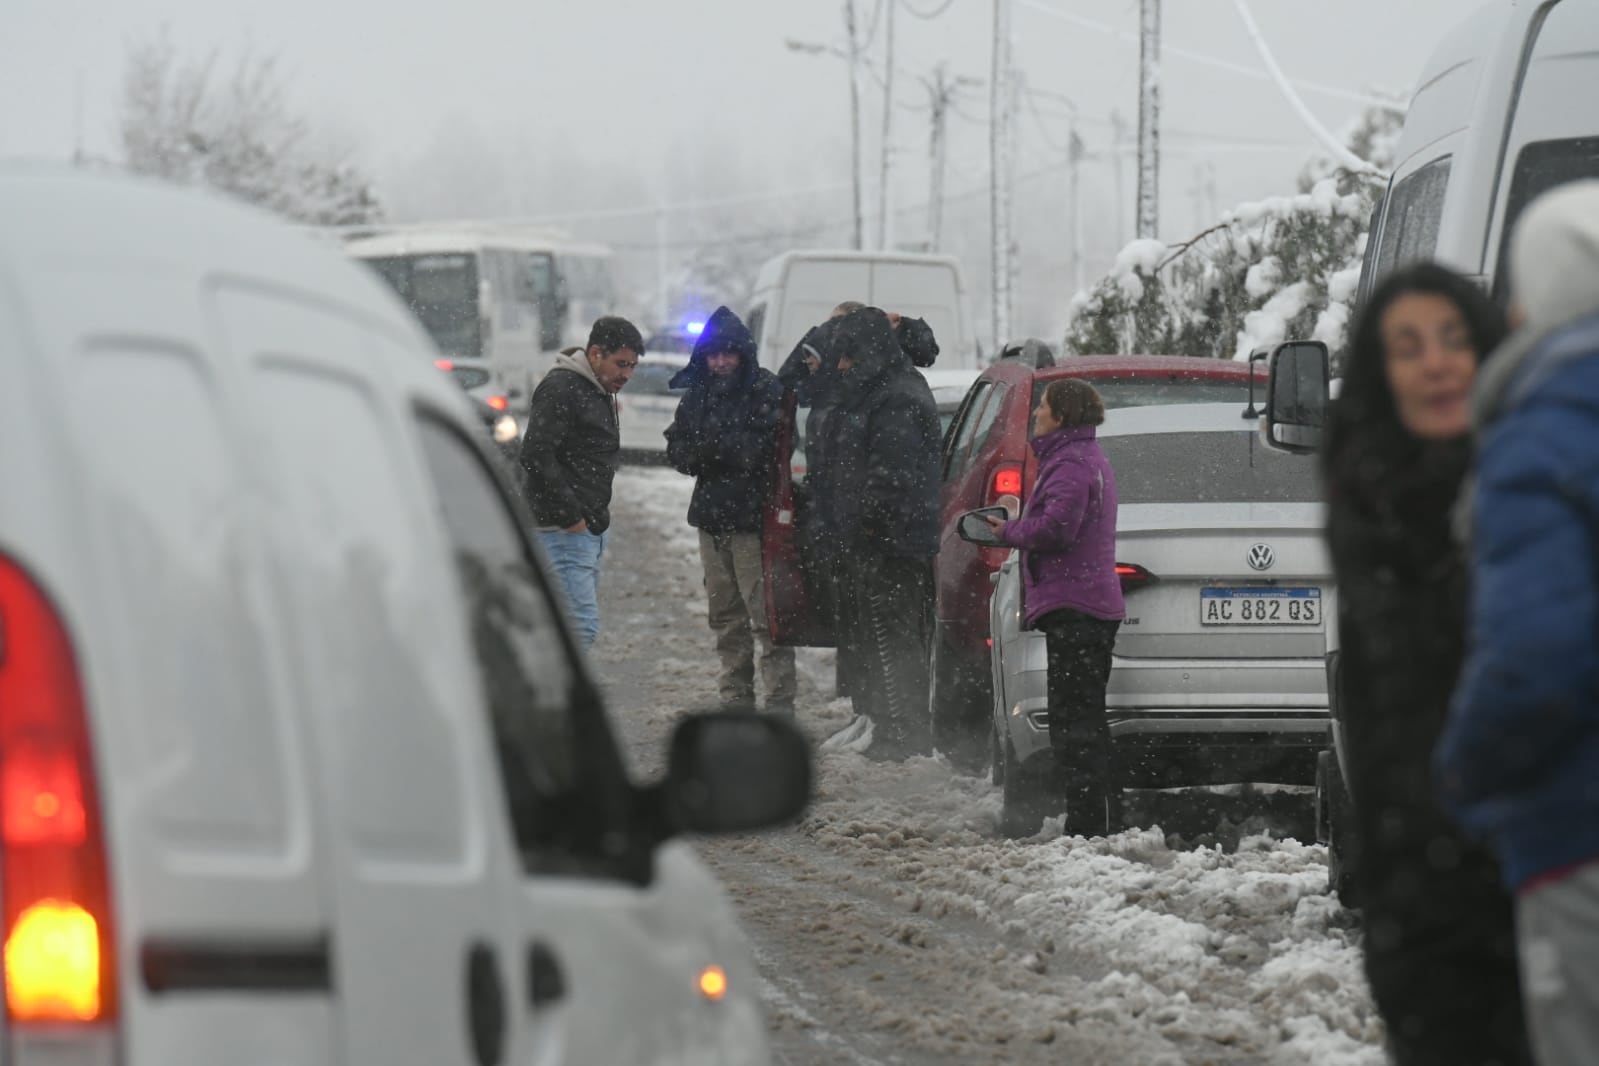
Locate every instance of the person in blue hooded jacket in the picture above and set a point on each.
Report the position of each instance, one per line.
(724, 435)
(1518, 762)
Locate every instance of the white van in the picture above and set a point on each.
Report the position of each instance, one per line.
(797, 290)
(510, 298)
(298, 763)
(1503, 112)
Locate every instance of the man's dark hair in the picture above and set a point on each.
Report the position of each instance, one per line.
(848, 307)
(613, 333)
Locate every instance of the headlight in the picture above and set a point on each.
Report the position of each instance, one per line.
(506, 430)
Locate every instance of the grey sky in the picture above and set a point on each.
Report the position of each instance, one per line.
(694, 100)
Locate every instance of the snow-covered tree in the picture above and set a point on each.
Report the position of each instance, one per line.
(1269, 271)
(238, 134)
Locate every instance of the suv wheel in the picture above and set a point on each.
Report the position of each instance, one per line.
(958, 708)
(1335, 828)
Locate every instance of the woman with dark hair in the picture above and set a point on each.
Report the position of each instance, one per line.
(1067, 536)
(1439, 940)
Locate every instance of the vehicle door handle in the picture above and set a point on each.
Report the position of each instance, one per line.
(993, 579)
(546, 982)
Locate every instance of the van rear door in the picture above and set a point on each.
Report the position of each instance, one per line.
(929, 290)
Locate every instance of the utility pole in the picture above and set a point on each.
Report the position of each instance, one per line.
(851, 55)
(1075, 154)
(663, 296)
(1118, 127)
(941, 91)
(1001, 107)
(855, 118)
(1149, 119)
(885, 228)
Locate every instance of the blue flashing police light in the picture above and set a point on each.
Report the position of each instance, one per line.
(693, 329)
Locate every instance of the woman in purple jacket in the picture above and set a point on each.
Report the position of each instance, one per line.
(1067, 535)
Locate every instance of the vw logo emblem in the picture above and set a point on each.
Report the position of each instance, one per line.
(1261, 557)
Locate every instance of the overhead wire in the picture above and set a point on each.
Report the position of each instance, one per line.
(929, 16)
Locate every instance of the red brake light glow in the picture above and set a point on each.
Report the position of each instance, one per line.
(444, 364)
(55, 899)
(499, 403)
(1008, 481)
(1133, 576)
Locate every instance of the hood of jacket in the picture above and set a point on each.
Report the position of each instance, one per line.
(867, 338)
(916, 338)
(577, 361)
(724, 332)
(1554, 278)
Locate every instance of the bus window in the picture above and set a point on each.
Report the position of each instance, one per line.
(442, 292)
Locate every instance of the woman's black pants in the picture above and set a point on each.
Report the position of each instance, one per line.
(1079, 669)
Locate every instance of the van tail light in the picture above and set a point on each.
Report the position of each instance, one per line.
(59, 948)
(1005, 490)
(444, 364)
(499, 403)
(1134, 577)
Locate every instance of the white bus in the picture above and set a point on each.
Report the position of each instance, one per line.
(509, 298)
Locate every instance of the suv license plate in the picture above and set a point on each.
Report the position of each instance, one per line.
(1260, 607)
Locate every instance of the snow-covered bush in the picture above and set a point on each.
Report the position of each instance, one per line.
(237, 134)
(1269, 271)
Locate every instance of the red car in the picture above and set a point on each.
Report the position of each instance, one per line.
(987, 463)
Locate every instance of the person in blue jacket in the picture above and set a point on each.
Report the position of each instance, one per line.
(1518, 762)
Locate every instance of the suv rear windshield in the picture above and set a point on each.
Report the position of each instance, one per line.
(1157, 391)
(1221, 467)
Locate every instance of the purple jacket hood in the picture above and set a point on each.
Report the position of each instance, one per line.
(1067, 532)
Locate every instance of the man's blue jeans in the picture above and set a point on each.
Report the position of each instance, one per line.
(575, 558)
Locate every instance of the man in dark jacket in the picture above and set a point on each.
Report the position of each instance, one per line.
(723, 436)
(882, 497)
(570, 456)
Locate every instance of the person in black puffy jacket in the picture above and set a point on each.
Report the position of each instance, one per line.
(723, 436)
(882, 500)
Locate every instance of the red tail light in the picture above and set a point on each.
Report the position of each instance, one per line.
(1008, 481)
(54, 885)
(444, 364)
(499, 403)
(1133, 577)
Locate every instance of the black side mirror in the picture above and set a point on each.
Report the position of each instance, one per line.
(1297, 389)
(973, 526)
(734, 771)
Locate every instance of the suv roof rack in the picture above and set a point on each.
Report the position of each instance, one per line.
(1031, 352)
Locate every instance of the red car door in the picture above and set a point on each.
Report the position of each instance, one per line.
(797, 613)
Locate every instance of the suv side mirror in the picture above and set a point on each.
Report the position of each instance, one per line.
(734, 771)
(973, 526)
(1297, 389)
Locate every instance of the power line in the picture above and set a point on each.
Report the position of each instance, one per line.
(1203, 59)
(929, 16)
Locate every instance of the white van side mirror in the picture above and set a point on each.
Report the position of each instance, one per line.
(1297, 395)
(736, 771)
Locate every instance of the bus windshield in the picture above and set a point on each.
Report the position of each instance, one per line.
(442, 292)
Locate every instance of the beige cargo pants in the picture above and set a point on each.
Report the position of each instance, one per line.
(737, 596)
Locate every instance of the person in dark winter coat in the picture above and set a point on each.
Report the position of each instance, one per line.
(1067, 536)
(1439, 943)
(1519, 759)
(882, 498)
(723, 436)
(569, 456)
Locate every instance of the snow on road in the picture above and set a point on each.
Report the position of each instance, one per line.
(893, 925)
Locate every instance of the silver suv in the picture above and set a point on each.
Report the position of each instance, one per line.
(1218, 674)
